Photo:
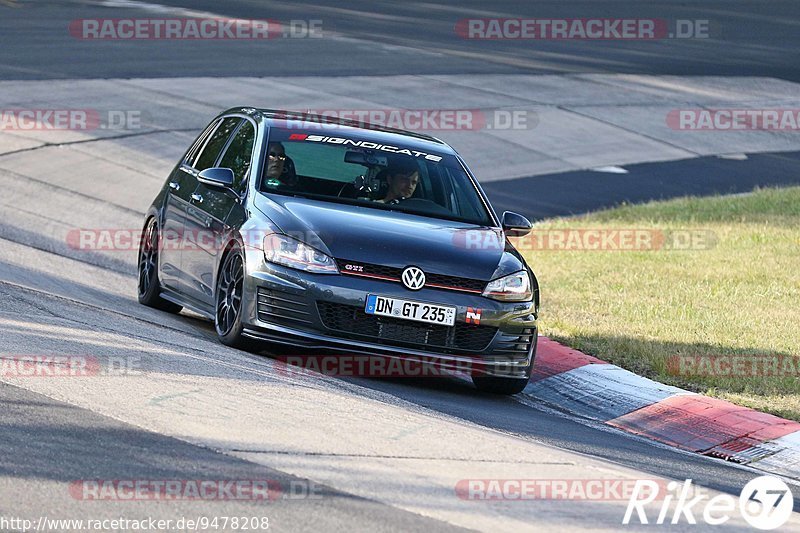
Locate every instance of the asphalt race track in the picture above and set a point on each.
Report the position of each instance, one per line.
(745, 40)
(347, 453)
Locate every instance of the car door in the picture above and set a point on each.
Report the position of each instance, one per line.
(205, 218)
(182, 183)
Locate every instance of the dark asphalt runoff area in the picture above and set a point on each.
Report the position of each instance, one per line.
(573, 193)
(746, 38)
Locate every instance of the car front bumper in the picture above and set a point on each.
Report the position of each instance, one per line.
(326, 312)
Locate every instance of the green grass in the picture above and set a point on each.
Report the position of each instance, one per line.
(636, 309)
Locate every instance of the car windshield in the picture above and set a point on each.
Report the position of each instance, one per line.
(380, 176)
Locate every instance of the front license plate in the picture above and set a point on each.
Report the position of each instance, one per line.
(409, 310)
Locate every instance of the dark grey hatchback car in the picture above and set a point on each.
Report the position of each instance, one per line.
(298, 230)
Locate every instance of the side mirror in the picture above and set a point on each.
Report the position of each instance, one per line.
(216, 177)
(516, 225)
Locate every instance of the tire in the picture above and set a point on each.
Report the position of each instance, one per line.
(505, 386)
(228, 301)
(149, 285)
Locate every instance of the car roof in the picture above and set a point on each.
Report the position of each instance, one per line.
(371, 132)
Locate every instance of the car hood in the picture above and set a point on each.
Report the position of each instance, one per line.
(392, 238)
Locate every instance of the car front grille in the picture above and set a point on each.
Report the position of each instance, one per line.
(352, 322)
(281, 307)
(387, 273)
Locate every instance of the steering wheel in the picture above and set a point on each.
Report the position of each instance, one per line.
(360, 187)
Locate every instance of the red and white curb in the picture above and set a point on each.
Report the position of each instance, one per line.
(586, 386)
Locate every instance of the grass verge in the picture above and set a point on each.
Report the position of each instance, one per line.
(709, 299)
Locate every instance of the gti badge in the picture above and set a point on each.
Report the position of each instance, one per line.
(413, 278)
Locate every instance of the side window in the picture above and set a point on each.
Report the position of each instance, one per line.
(216, 143)
(199, 142)
(240, 153)
(466, 205)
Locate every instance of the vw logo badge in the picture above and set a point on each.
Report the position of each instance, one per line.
(413, 278)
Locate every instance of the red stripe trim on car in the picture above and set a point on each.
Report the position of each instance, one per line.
(387, 278)
(374, 276)
(460, 289)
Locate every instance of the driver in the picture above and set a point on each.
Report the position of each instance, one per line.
(276, 158)
(402, 179)
(280, 171)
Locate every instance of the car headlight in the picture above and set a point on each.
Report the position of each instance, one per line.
(286, 251)
(515, 287)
